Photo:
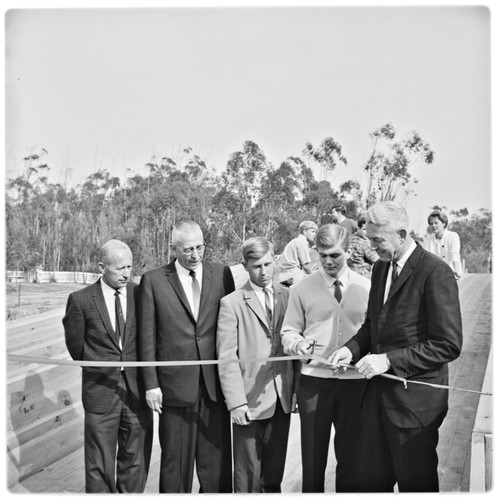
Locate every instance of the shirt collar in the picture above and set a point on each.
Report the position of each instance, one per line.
(185, 272)
(107, 290)
(259, 289)
(401, 262)
(343, 277)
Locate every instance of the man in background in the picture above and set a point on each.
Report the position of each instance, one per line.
(295, 262)
(338, 213)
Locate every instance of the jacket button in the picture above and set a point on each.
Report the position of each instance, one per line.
(197, 339)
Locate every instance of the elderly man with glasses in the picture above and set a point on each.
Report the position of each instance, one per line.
(177, 321)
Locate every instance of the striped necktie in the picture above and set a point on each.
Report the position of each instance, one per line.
(268, 307)
(196, 293)
(120, 319)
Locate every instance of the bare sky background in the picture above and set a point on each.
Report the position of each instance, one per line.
(108, 88)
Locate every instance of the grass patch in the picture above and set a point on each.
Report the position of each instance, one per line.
(26, 299)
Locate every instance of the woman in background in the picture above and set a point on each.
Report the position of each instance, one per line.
(443, 242)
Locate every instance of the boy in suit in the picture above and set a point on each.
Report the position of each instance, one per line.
(258, 395)
(99, 325)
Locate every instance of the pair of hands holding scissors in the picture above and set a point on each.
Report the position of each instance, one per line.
(369, 366)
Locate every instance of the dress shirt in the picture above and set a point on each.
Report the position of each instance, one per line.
(400, 265)
(186, 281)
(329, 281)
(261, 295)
(110, 299)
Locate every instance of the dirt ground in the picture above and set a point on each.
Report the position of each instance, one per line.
(25, 299)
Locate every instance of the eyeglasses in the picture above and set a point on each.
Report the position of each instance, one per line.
(189, 251)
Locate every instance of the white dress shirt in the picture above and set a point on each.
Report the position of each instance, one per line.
(109, 298)
(261, 296)
(186, 281)
(400, 264)
(329, 281)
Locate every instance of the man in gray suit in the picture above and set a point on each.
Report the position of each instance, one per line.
(177, 315)
(258, 395)
(99, 325)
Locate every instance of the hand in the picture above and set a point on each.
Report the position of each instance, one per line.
(241, 415)
(342, 356)
(154, 399)
(372, 365)
(303, 347)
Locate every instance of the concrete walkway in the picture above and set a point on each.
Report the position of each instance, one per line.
(67, 475)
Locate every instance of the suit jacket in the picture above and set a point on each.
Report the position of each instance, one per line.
(244, 332)
(90, 337)
(419, 328)
(169, 332)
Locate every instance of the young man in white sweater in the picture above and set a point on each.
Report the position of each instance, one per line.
(325, 310)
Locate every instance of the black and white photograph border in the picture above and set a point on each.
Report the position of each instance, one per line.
(118, 87)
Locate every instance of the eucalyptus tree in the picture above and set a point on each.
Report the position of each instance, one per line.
(388, 167)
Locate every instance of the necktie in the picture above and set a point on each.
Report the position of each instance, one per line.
(120, 319)
(268, 306)
(196, 293)
(337, 290)
(394, 273)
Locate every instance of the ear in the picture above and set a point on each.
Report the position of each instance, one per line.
(245, 265)
(101, 267)
(403, 234)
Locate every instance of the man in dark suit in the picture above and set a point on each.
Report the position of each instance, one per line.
(412, 330)
(99, 325)
(177, 315)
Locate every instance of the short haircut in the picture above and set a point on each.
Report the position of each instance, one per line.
(440, 216)
(306, 225)
(339, 208)
(183, 228)
(361, 222)
(256, 248)
(331, 235)
(108, 247)
(388, 213)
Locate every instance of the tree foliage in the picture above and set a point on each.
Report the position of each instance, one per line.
(60, 228)
(388, 168)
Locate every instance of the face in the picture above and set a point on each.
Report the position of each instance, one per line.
(333, 259)
(190, 249)
(437, 226)
(260, 270)
(118, 267)
(362, 231)
(335, 214)
(310, 235)
(385, 241)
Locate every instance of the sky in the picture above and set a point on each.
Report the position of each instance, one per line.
(109, 88)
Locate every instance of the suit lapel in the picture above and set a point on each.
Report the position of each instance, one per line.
(406, 271)
(174, 280)
(206, 285)
(130, 312)
(100, 304)
(254, 304)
